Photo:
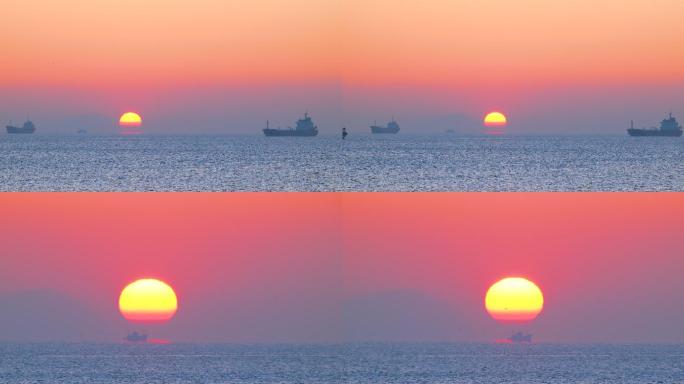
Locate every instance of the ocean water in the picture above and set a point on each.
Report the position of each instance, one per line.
(363, 162)
(346, 363)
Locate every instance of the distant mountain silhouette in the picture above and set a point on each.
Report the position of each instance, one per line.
(45, 316)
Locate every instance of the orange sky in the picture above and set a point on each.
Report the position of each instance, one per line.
(334, 266)
(137, 44)
(499, 43)
(464, 43)
(224, 67)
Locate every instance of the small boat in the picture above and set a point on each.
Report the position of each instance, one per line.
(520, 337)
(135, 337)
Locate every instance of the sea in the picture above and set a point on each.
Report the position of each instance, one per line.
(363, 162)
(376, 363)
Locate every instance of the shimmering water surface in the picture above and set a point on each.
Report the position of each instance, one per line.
(348, 363)
(363, 162)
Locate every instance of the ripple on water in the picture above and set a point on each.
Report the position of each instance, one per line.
(361, 163)
(376, 363)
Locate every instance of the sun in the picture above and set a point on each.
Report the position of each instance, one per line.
(130, 119)
(148, 300)
(495, 120)
(514, 299)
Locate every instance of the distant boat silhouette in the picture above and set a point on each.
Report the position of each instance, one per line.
(305, 127)
(28, 127)
(668, 127)
(136, 337)
(391, 127)
(520, 337)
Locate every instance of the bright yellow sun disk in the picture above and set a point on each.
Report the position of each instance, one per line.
(148, 300)
(514, 299)
(130, 119)
(495, 119)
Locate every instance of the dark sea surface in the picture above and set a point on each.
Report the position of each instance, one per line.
(363, 162)
(346, 363)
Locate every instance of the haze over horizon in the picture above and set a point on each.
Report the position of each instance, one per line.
(216, 67)
(342, 267)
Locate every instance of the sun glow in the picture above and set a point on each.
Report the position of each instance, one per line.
(148, 300)
(495, 119)
(514, 299)
(130, 119)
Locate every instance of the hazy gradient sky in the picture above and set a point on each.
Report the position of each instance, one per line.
(330, 267)
(226, 66)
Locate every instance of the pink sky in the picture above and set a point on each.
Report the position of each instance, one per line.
(334, 266)
(609, 264)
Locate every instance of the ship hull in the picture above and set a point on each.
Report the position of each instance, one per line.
(376, 129)
(19, 130)
(290, 132)
(136, 338)
(653, 133)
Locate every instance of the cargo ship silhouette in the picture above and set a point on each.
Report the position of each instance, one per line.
(391, 127)
(668, 127)
(28, 127)
(305, 127)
